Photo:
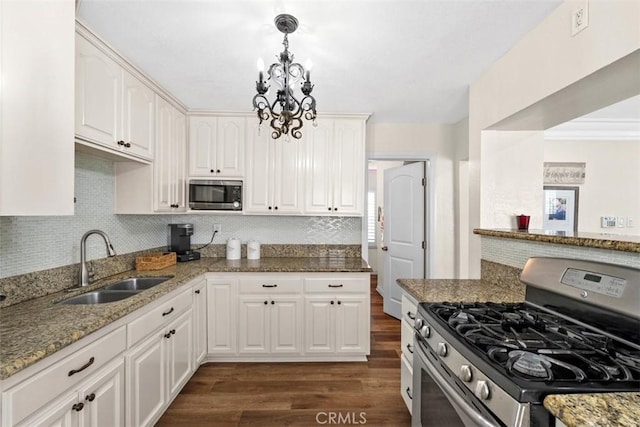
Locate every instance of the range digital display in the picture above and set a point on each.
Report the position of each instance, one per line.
(592, 278)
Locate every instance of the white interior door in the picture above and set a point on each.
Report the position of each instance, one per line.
(404, 237)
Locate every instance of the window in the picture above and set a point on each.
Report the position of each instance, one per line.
(371, 218)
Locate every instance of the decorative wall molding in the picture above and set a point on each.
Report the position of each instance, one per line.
(596, 129)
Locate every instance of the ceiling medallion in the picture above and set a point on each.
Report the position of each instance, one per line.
(286, 111)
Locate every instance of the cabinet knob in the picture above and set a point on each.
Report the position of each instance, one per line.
(212, 171)
(332, 302)
(266, 302)
(328, 209)
(198, 291)
(127, 145)
(335, 209)
(276, 208)
(339, 302)
(78, 407)
(272, 302)
(217, 170)
(120, 142)
(269, 207)
(90, 397)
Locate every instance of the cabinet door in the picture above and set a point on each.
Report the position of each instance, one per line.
(199, 323)
(178, 341)
(163, 162)
(286, 324)
(258, 185)
(221, 316)
(202, 146)
(230, 146)
(319, 159)
(319, 322)
(253, 324)
(146, 381)
(138, 117)
(103, 398)
(60, 413)
(348, 167)
(352, 317)
(287, 177)
(179, 166)
(98, 82)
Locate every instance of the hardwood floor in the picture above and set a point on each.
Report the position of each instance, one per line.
(300, 394)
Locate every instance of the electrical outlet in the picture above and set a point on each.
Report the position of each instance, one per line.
(622, 221)
(630, 222)
(217, 227)
(607, 221)
(579, 18)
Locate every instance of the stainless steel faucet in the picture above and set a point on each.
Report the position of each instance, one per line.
(85, 275)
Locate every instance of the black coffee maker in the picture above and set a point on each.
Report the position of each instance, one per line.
(180, 242)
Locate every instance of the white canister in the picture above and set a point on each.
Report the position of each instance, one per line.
(253, 249)
(233, 248)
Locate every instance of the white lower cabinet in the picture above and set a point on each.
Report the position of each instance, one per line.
(84, 388)
(159, 365)
(199, 322)
(289, 316)
(221, 315)
(270, 322)
(409, 309)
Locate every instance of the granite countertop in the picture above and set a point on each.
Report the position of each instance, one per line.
(598, 409)
(616, 242)
(36, 328)
(439, 290)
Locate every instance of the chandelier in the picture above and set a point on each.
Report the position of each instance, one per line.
(286, 111)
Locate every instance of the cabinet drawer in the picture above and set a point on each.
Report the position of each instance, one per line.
(271, 285)
(409, 309)
(41, 388)
(406, 334)
(406, 382)
(158, 317)
(339, 284)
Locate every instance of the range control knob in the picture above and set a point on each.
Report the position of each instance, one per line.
(419, 323)
(482, 390)
(425, 331)
(441, 349)
(465, 373)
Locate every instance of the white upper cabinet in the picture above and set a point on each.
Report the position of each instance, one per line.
(114, 109)
(335, 167)
(138, 116)
(216, 146)
(36, 100)
(273, 183)
(169, 164)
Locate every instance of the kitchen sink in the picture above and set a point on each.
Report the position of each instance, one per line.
(98, 297)
(137, 283)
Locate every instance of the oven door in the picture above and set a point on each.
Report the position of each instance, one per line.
(438, 401)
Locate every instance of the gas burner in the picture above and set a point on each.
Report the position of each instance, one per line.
(530, 364)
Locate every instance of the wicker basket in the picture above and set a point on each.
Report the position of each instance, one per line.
(155, 261)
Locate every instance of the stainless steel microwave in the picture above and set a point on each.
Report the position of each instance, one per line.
(215, 195)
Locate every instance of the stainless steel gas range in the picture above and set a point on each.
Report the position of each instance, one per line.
(492, 364)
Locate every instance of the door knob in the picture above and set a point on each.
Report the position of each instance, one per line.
(385, 248)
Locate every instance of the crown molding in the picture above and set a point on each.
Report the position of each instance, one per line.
(596, 129)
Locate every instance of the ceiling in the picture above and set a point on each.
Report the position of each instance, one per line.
(403, 61)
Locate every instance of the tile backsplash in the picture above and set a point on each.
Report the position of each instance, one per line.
(30, 244)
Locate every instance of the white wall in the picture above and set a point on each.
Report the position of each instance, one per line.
(434, 142)
(549, 61)
(612, 182)
(511, 178)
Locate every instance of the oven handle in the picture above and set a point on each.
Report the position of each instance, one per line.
(449, 391)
